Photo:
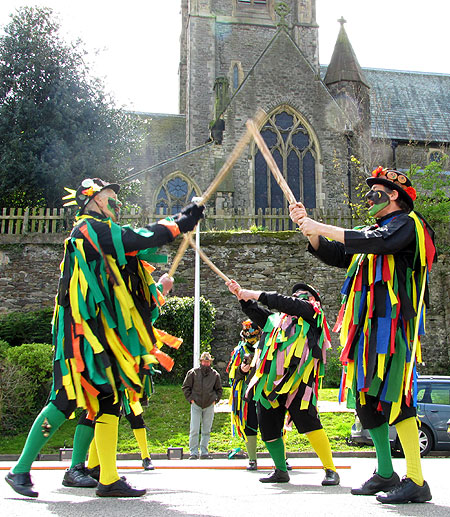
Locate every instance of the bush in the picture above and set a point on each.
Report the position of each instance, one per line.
(16, 398)
(25, 378)
(177, 318)
(35, 359)
(4, 346)
(333, 369)
(18, 328)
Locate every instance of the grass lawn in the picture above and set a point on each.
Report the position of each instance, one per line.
(167, 417)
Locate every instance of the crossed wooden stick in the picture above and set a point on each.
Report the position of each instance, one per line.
(251, 132)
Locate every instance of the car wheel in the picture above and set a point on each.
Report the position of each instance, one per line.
(425, 440)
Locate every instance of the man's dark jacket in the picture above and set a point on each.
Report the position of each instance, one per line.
(202, 386)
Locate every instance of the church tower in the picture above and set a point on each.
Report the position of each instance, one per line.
(222, 40)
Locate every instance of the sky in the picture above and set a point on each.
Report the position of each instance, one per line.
(134, 45)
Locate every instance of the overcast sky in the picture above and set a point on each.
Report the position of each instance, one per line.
(138, 40)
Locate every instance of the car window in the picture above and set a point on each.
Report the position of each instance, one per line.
(434, 394)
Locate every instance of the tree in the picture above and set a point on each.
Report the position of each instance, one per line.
(57, 124)
(433, 198)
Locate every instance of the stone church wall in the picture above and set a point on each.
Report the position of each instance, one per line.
(29, 271)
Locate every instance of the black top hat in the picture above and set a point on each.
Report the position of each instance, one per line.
(395, 180)
(308, 288)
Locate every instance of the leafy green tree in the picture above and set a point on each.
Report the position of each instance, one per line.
(57, 124)
(433, 202)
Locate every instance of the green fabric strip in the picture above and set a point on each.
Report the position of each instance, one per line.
(116, 234)
(396, 369)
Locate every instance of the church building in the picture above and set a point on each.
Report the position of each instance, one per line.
(238, 56)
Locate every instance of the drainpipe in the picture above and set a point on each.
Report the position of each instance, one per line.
(348, 136)
(394, 145)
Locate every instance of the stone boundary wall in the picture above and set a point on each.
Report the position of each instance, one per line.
(29, 271)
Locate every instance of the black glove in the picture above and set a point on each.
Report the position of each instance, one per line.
(189, 217)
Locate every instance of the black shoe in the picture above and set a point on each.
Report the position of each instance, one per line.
(407, 492)
(78, 476)
(288, 466)
(277, 476)
(94, 472)
(193, 457)
(252, 465)
(205, 457)
(147, 464)
(331, 478)
(119, 488)
(21, 483)
(377, 484)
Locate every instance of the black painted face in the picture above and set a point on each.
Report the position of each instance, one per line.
(378, 199)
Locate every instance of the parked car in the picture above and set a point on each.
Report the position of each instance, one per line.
(433, 411)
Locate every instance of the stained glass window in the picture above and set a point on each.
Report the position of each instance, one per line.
(174, 194)
(294, 152)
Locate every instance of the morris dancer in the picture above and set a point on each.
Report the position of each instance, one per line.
(243, 412)
(288, 365)
(385, 290)
(102, 331)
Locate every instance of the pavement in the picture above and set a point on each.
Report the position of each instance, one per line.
(324, 406)
(223, 488)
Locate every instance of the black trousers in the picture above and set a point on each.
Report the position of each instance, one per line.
(271, 421)
(251, 426)
(370, 416)
(66, 406)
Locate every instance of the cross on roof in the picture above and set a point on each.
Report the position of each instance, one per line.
(342, 21)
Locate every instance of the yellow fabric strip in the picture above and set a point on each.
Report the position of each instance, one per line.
(73, 292)
(381, 362)
(420, 238)
(81, 402)
(350, 374)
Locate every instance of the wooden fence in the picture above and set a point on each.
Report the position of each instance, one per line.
(18, 221)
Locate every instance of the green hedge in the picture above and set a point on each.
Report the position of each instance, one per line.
(25, 380)
(27, 327)
(177, 318)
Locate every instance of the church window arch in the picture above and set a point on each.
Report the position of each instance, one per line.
(175, 192)
(294, 149)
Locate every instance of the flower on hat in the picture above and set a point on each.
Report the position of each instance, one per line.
(411, 191)
(88, 191)
(377, 171)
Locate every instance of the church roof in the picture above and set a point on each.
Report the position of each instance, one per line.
(408, 105)
(344, 65)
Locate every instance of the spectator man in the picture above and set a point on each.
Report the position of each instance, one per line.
(202, 388)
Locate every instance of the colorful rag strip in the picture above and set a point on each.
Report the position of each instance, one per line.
(238, 387)
(102, 325)
(292, 360)
(380, 338)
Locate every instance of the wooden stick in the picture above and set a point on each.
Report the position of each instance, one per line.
(181, 249)
(206, 260)
(253, 128)
(224, 170)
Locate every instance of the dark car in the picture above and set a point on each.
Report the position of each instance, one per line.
(433, 411)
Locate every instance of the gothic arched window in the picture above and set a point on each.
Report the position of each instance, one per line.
(294, 152)
(174, 194)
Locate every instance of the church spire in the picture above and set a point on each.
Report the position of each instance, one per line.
(343, 65)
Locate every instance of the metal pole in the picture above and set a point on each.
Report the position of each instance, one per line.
(197, 301)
